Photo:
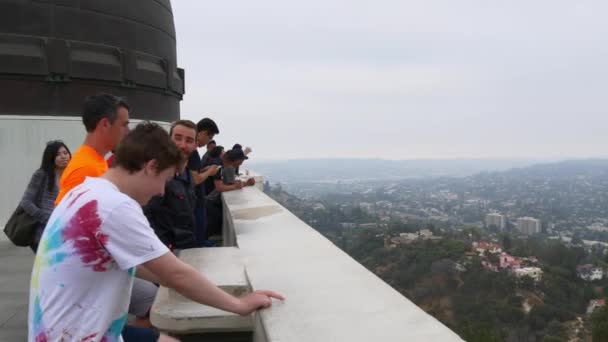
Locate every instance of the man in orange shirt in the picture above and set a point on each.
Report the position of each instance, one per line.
(106, 119)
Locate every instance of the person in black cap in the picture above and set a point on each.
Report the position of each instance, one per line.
(223, 181)
(214, 157)
(246, 151)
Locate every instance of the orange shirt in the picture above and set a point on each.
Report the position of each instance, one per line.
(86, 162)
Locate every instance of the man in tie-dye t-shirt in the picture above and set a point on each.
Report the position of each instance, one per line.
(97, 239)
(83, 273)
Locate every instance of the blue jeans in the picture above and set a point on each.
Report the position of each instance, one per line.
(135, 334)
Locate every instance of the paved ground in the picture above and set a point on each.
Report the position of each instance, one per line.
(15, 268)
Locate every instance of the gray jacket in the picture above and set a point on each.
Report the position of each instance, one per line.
(37, 200)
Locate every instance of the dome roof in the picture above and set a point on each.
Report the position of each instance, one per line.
(55, 53)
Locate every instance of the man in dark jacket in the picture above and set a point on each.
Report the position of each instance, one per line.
(224, 180)
(173, 215)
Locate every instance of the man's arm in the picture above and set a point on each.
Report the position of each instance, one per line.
(201, 176)
(143, 273)
(193, 285)
(221, 187)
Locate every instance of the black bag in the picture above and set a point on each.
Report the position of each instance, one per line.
(21, 228)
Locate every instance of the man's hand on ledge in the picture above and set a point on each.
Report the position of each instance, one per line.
(250, 182)
(256, 300)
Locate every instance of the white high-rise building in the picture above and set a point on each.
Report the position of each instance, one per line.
(528, 225)
(495, 219)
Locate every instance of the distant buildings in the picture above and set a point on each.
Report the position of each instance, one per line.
(519, 267)
(528, 225)
(483, 247)
(589, 272)
(598, 227)
(509, 262)
(424, 234)
(533, 272)
(318, 206)
(595, 304)
(498, 220)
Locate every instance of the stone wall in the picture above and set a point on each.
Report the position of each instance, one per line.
(330, 296)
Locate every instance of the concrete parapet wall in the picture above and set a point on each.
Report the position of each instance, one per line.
(330, 296)
(174, 313)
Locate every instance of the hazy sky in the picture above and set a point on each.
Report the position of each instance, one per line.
(399, 79)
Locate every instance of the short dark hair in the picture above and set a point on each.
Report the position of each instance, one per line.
(211, 142)
(216, 152)
(235, 155)
(185, 123)
(237, 147)
(97, 107)
(208, 125)
(146, 142)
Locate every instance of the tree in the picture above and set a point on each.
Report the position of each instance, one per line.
(493, 258)
(599, 323)
(506, 241)
(554, 332)
(576, 240)
(479, 333)
(526, 282)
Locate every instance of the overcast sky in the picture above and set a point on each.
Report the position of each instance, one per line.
(399, 79)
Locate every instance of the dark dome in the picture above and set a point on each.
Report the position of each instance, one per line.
(54, 53)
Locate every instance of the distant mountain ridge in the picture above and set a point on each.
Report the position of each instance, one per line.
(563, 169)
(334, 170)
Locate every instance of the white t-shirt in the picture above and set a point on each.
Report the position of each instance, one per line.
(83, 273)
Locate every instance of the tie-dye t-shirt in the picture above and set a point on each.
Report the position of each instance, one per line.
(83, 273)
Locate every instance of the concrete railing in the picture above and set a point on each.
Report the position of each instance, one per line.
(330, 296)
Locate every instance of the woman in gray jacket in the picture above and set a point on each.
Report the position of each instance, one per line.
(39, 197)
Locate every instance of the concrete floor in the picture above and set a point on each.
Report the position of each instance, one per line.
(15, 269)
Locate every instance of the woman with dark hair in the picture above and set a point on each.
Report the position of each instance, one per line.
(39, 197)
